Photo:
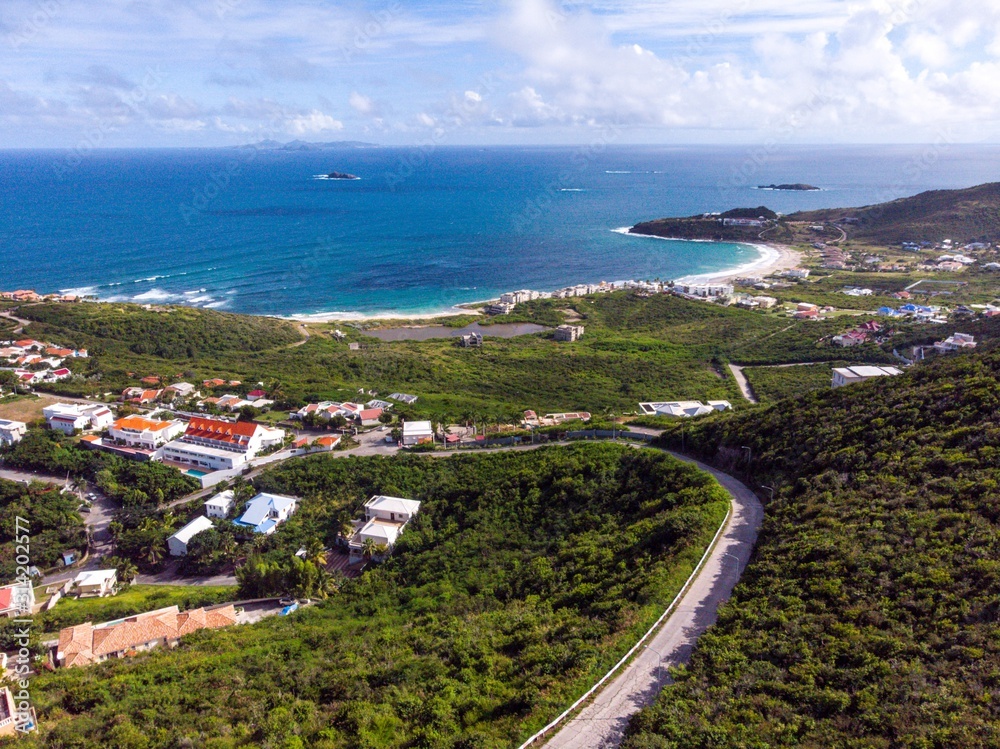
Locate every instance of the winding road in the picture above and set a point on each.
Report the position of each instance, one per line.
(601, 723)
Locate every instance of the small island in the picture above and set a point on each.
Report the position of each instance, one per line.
(340, 175)
(798, 187)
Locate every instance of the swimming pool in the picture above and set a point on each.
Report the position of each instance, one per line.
(196, 474)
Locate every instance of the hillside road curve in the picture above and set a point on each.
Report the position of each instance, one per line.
(601, 723)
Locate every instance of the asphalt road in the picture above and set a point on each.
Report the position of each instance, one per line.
(601, 724)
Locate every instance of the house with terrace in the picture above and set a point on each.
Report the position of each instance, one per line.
(385, 520)
(266, 512)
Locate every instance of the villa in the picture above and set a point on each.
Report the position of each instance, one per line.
(88, 643)
(684, 409)
(96, 583)
(220, 505)
(417, 433)
(850, 375)
(145, 434)
(266, 512)
(385, 520)
(70, 418)
(12, 432)
(957, 342)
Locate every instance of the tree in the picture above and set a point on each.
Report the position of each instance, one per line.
(385, 418)
(125, 568)
(369, 548)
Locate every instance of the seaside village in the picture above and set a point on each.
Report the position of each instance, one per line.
(216, 433)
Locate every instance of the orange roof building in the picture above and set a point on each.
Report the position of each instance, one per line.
(145, 434)
(87, 643)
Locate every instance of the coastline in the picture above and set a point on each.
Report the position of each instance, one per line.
(773, 259)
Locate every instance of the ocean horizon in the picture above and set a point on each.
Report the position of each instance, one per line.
(423, 230)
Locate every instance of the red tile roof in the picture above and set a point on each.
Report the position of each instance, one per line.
(221, 431)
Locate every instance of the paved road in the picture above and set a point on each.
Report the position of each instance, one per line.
(26, 478)
(601, 724)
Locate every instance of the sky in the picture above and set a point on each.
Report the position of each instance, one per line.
(131, 73)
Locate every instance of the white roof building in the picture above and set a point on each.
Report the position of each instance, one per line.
(386, 519)
(266, 512)
(684, 409)
(849, 375)
(68, 417)
(178, 543)
(220, 505)
(98, 583)
(12, 432)
(417, 432)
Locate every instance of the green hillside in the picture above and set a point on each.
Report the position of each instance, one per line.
(971, 215)
(525, 576)
(868, 617)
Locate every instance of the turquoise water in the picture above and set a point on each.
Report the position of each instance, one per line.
(424, 229)
(195, 474)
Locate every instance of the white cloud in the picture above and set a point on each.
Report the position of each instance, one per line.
(313, 123)
(361, 104)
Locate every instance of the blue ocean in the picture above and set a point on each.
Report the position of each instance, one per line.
(249, 230)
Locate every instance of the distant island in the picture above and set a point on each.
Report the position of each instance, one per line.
(798, 187)
(340, 175)
(301, 145)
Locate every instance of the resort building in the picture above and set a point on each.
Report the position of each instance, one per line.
(850, 375)
(385, 520)
(266, 512)
(12, 432)
(417, 433)
(704, 291)
(220, 505)
(145, 434)
(218, 445)
(177, 544)
(569, 333)
(96, 583)
(69, 418)
(88, 643)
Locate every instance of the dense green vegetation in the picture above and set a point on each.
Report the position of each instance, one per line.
(772, 384)
(131, 483)
(868, 617)
(524, 576)
(635, 349)
(170, 333)
(970, 215)
(135, 600)
(51, 519)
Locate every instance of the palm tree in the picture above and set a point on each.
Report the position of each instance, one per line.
(126, 570)
(155, 553)
(369, 548)
(316, 552)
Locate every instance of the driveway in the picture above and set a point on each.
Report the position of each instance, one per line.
(602, 722)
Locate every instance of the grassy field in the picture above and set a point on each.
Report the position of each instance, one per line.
(136, 599)
(25, 408)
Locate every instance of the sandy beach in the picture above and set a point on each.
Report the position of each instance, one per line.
(774, 258)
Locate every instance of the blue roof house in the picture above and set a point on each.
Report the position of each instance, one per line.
(266, 512)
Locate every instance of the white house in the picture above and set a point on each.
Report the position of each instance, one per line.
(178, 543)
(957, 342)
(417, 432)
(11, 432)
(220, 505)
(684, 409)
(69, 418)
(218, 445)
(145, 434)
(849, 375)
(385, 520)
(96, 583)
(704, 291)
(266, 512)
